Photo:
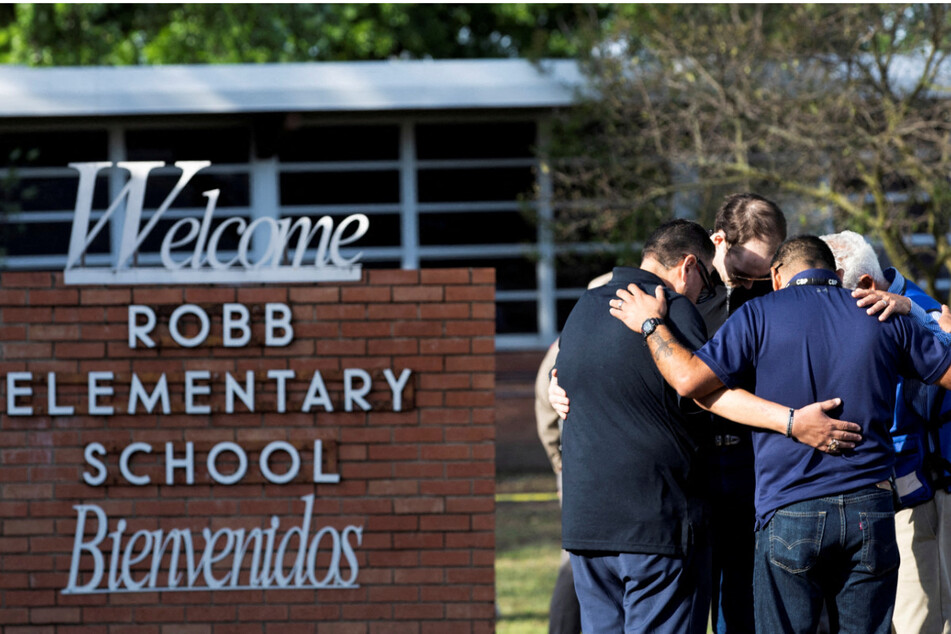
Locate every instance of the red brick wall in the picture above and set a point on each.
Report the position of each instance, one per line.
(420, 482)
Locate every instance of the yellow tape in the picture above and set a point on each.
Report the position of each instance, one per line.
(526, 497)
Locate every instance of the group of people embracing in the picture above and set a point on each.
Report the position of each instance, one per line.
(732, 412)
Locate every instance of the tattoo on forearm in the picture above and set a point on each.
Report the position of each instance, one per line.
(662, 349)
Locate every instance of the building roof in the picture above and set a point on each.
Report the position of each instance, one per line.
(300, 87)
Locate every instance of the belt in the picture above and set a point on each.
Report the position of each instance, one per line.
(726, 440)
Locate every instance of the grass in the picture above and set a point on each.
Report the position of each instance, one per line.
(528, 551)
(527, 554)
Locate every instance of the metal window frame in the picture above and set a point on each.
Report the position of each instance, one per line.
(265, 201)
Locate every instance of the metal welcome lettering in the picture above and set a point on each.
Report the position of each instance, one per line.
(280, 260)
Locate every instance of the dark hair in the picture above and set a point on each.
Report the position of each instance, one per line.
(677, 238)
(810, 251)
(743, 217)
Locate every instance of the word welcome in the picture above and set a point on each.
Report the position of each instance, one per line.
(230, 558)
(190, 248)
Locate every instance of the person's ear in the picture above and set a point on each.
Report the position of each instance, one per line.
(680, 273)
(776, 277)
(718, 238)
(865, 281)
(688, 263)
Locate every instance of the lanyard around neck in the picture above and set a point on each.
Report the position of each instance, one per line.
(814, 281)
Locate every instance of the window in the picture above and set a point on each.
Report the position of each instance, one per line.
(339, 188)
(38, 192)
(170, 144)
(345, 142)
(438, 193)
(496, 140)
(476, 227)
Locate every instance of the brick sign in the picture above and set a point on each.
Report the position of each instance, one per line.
(248, 458)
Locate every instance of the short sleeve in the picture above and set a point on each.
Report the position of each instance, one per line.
(926, 354)
(731, 354)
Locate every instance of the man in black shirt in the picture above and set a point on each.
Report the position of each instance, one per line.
(633, 513)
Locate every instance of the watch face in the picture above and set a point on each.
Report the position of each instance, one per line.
(649, 326)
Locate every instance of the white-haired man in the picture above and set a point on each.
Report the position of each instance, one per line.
(923, 526)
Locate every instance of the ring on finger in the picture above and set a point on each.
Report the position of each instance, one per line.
(833, 445)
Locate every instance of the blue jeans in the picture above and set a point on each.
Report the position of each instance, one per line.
(636, 593)
(839, 549)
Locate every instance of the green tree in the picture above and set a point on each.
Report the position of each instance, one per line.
(123, 34)
(840, 112)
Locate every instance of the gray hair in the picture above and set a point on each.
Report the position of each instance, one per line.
(855, 256)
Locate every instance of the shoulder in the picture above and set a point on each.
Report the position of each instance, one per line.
(677, 303)
(686, 319)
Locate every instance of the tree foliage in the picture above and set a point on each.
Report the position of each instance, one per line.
(840, 112)
(140, 33)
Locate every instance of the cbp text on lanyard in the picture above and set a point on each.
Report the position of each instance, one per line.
(814, 281)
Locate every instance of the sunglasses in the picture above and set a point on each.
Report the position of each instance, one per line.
(709, 288)
(749, 278)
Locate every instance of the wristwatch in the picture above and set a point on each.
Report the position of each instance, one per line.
(650, 325)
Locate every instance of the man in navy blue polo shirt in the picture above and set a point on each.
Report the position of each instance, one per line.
(825, 522)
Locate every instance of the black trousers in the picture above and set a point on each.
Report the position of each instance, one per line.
(564, 614)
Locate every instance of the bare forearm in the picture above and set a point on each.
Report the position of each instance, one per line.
(679, 366)
(747, 409)
(809, 425)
